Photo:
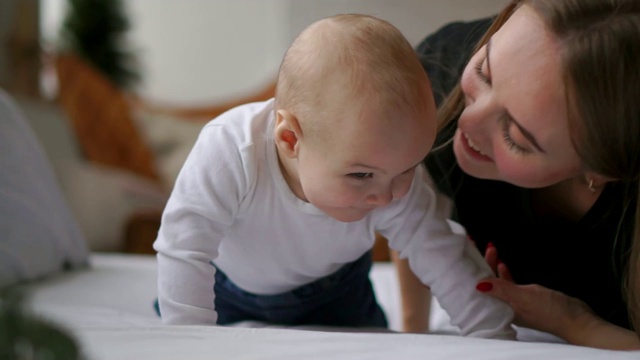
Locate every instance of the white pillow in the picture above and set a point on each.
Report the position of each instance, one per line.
(38, 234)
(170, 138)
(103, 199)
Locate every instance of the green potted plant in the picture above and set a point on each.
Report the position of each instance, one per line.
(95, 30)
(24, 335)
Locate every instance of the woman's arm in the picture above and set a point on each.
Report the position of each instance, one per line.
(595, 332)
(415, 298)
(551, 311)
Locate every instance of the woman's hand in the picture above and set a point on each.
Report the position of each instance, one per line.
(551, 311)
(539, 308)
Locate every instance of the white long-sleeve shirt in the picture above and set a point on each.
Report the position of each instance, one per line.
(231, 205)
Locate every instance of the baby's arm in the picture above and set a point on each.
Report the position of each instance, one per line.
(474, 313)
(204, 201)
(186, 243)
(449, 264)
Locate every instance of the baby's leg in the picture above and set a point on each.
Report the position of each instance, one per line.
(352, 301)
(342, 299)
(234, 304)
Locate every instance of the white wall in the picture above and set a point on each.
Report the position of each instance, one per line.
(204, 51)
(415, 18)
(196, 51)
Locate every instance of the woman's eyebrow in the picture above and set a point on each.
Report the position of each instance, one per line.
(510, 118)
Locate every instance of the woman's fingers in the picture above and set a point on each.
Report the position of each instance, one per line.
(503, 272)
(498, 267)
(491, 257)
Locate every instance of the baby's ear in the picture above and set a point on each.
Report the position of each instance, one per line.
(286, 133)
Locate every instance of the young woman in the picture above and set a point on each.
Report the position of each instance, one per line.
(540, 155)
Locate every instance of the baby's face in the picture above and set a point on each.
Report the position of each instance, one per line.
(369, 162)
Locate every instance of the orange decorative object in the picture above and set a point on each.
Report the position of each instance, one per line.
(101, 118)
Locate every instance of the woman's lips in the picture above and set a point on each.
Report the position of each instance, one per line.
(473, 149)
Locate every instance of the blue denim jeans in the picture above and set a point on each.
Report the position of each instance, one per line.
(344, 298)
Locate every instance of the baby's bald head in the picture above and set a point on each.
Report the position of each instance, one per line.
(350, 62)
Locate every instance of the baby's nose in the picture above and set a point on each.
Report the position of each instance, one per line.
(380, 199)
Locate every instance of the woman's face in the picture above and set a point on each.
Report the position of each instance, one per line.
(515, 127)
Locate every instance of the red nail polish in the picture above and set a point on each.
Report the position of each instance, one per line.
(490, 245)
(484, 287)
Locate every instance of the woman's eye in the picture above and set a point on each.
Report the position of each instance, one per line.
(361, 176)
(484, 78)
(515, 148)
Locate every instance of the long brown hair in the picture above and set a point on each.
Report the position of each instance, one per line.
(601, 66)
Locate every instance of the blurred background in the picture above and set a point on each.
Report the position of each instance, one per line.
(117, 90)
(198, 51)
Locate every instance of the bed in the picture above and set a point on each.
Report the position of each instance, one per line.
(108, 309)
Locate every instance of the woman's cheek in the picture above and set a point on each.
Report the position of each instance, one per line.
(515, 169)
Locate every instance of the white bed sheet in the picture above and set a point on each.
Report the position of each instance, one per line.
(108, 308)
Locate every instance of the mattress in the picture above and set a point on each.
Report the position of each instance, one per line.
(109, 310)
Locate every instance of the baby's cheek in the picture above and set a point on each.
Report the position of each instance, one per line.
(402, 189)
(341, 196)
(353, 197)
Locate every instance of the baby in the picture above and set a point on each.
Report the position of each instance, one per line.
(274, 212)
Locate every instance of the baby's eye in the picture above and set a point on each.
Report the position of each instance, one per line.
(361, 176)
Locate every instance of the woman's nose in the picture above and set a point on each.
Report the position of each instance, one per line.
(480, 113)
